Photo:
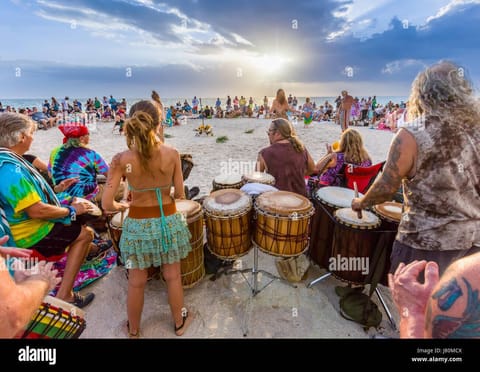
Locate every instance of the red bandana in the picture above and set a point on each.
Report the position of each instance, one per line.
(73, 131)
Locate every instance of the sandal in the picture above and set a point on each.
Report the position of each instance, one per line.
(130, 334)
(101, 245)
(186, 320)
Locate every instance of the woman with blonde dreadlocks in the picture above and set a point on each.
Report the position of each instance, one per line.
(153, 233)
(351, 151)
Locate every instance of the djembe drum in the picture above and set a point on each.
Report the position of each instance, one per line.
(354, 241)
(390, 214)
(327, 200)
(192, 266)
(259, 177)
(282, 223)
(227, 219)
(55, 319)
(227, 181)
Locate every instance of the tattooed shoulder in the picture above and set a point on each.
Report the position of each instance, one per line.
(116, 161)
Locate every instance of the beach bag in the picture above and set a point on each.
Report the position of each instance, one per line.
(358, 307)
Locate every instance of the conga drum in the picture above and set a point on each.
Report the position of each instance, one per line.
(354, 241)
(259, 177)
(55, 319)
(390, 214)
(283, 222)
(227, 219)
(326, 200)
(192, 266)
(227, 181)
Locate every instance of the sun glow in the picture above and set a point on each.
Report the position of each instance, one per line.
(270, 64)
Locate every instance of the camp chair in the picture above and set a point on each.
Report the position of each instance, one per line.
(363, 176)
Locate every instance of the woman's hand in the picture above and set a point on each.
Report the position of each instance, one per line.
(65, 184)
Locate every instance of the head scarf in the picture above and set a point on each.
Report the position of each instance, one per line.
(73, 131)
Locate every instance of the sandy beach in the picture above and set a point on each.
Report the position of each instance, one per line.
(224, 308)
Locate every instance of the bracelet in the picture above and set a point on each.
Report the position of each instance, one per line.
(72, 213)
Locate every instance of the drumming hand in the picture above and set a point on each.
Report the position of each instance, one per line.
(65, 184)
(12, 251)
(81, 207)
(122, 206)
(408, 293)
(357, 204)
(41, 271)
(329, 148)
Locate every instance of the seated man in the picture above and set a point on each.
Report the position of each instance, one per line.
(36, 218)
(74, 160)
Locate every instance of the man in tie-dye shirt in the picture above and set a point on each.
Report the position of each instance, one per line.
(75, 160)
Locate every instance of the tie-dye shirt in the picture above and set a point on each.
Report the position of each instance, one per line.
(16, 194)
(77, 162)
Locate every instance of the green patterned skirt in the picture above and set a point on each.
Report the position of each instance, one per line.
(147, 242)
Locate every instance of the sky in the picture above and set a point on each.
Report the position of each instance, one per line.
(209, 48)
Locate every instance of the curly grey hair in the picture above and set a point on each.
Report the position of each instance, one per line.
(443, 91)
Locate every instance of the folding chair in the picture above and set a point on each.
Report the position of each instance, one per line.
(363, 176)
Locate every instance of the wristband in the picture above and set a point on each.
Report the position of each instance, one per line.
(72, 213)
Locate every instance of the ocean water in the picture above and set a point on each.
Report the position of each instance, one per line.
(38, 102)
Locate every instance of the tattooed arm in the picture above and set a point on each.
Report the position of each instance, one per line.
(453, 310)
(400, 164)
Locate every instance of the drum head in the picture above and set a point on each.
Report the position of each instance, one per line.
(94, 210)
(227, 202)
(339, 197)
(350, 218)
(117, 220)
(188, 208)
(283, 203)
(259, 177)
(65, 306)
(228, 179)
(390, 210)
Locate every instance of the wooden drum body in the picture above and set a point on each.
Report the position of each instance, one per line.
(282, 223)
(192, 266)
(390, 214)
(227, 217)
(354, 241)
(327, 200)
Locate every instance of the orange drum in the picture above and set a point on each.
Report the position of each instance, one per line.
(354, 241)
(259, 177)
(390, 214)
(55, 319)
(192, 266)
(227, 218)
(227, 181)
(283, 221)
